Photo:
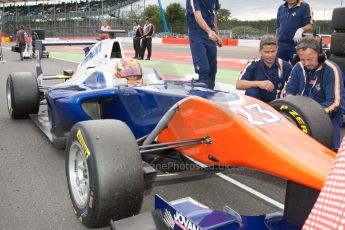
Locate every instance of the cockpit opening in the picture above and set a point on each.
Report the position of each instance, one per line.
(116, 51)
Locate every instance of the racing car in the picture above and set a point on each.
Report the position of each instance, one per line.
(116, 120)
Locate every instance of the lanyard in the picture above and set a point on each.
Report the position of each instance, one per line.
(270, 78)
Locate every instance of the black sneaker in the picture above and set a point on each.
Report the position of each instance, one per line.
(147, 59)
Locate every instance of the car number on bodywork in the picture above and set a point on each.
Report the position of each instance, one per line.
(250, 112)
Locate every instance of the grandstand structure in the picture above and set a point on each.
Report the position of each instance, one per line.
(61, 18)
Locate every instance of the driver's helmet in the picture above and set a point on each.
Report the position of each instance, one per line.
(129, 69)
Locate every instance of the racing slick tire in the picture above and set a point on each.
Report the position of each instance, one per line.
(104, 172)
(22, 94)
(338, 22)
(308, 115)
(339, 60)
(338, 47)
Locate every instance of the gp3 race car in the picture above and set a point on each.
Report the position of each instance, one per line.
(115, 132)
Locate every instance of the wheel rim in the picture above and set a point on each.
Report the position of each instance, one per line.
(78, 175)
(9, 96)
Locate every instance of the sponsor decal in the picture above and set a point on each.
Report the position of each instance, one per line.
(92, 54)
(180, 220)
(318, 87)
(296, 117)
(91, 199)
(168, 219)
(184, 223)
(83, 144)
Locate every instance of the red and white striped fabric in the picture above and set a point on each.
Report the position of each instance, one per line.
(329, 209)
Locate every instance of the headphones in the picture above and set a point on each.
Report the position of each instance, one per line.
(312, 43)
(322, 57)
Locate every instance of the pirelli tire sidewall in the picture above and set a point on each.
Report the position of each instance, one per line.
(307, 115)
(22, 88)
(115, 172)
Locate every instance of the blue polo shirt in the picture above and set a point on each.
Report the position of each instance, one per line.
(207, 9)
(325, 85)
(289, 20)
(278, 73)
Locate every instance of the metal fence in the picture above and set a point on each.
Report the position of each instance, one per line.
(89, 26)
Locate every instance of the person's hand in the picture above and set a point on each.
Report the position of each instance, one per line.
(219, 41)
(213, 36)
(266, 85)
(216, 30)
(298, 35)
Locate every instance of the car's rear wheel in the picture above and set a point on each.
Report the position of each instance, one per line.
(338, 22)
(104, 172)
(337, 42)
(22, 94)
(308, 115)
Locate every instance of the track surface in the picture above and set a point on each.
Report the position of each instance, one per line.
(33, 192)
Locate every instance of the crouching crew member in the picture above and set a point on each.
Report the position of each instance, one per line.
(265, 78)
(320, 79)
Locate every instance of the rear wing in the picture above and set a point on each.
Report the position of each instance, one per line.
(39, 48)
(112, 33)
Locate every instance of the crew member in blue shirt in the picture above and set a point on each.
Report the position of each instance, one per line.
(204, 38)
(265, 78)
(147, 40)
(293, 19)
(137, 33)
(321, 80)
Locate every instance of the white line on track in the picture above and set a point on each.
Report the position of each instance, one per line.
(243, 186)
(251, 190)
(61, 59)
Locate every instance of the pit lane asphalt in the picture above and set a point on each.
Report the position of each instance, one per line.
(33, 191)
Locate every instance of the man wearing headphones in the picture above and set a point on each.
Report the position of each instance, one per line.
(320, 79)
(293, 19)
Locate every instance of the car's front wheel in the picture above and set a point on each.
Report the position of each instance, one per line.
(104, 172)
(308, 115)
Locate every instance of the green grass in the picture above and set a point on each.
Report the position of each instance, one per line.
(162, 66)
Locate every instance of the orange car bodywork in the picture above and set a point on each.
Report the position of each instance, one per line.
(252, 134)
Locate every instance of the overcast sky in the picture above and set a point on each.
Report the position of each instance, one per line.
(267, 9)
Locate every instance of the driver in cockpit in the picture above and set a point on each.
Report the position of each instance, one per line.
(129, 69)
